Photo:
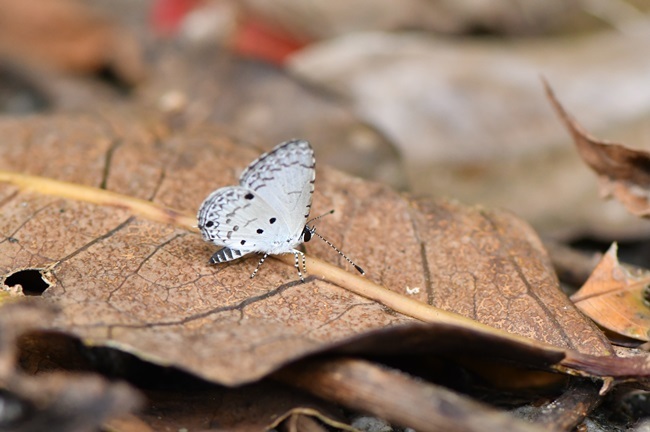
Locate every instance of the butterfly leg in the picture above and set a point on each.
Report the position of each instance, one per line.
(259, 264)
(297, 265)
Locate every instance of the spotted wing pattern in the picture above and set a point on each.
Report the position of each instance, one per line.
(284, 178)
(241, 220)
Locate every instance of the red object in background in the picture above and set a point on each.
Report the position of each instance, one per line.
(254, 38)
(167, 15)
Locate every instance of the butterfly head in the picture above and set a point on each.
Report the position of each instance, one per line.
(307, 233)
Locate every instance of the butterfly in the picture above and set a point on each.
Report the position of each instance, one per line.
(268, 212)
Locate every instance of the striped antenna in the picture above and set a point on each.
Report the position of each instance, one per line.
(359, 269)
(310, 231)
(318, 217)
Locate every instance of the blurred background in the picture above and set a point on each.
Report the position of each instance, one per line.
(439, 98)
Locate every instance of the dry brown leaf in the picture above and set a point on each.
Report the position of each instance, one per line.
(624, 173)
(613, 296)
(130, 273)
(398, 398)
(231, 409)
(569, 410)
(489, 265)
(77, 38)
(175, 400)
(56, 401)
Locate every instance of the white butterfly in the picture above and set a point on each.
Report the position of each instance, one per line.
(268, 212)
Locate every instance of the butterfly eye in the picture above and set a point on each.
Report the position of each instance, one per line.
(306, 235)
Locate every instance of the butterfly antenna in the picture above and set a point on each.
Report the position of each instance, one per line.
(313, 232)
(318, 217)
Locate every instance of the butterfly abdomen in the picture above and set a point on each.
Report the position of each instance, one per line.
(225, 255)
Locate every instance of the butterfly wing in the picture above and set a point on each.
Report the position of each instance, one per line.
(241, 220)
(284, 178)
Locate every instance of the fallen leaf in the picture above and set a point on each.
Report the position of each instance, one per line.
(614, 297)
(623, 173)
(131, 273)
(490, 265)
(567, 411)
(399, 398)
(232, 410)
(79, 39)
(174, 399)
(55, 401)
(123, 279)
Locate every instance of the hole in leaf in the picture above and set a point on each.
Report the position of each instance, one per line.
(30, 279)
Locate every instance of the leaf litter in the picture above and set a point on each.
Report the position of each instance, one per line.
(101, 207)
(623, 173)
(57, 401)
(132, 274)
(615, 295)
(158, 295)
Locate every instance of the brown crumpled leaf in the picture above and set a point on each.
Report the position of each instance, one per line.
(174, 399)
(401, 399)
(623, 173)
(232, 410)
(146, 287)
(614, 297)
(78, 38)
(54, 401)
(128, 271)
